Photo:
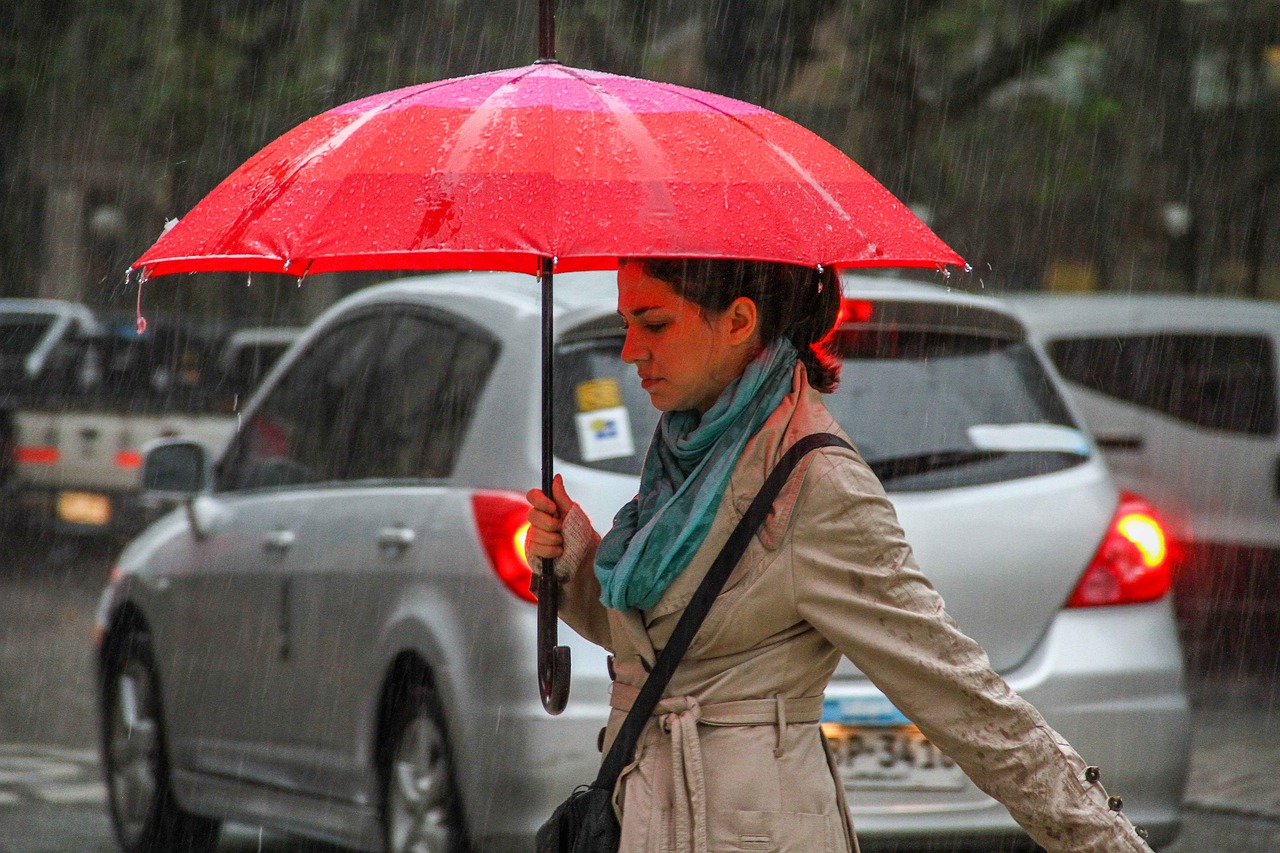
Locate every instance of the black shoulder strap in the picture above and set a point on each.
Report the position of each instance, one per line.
(624, 745)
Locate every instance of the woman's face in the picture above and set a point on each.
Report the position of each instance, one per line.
(684, 357)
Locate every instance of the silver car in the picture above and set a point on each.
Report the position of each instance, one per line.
(332, 633)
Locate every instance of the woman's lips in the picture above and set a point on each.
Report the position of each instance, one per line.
(647, 382)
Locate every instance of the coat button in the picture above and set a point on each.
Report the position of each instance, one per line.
(1092, 774)
(1142, 832)
(1115, 803)
(608, 664)
(600, 739)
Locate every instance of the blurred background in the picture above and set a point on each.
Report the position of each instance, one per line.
(1060, 146)
(1068, 145)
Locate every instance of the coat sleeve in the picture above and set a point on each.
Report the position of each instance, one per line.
(580, 605)
(856, 582)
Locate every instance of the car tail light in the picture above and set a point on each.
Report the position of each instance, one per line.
(502, 521)
(29, 455)
(128, 459)
(855, 311)
(1132, 564)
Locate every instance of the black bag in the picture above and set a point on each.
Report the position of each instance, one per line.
(586, 823)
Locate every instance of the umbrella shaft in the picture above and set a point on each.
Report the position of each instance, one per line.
(546, 30)
(548, 379)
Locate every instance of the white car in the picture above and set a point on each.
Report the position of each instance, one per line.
(1181, 393)
(334, 635)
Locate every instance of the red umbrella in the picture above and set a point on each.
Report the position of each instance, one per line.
(542, 169)
(497, 171)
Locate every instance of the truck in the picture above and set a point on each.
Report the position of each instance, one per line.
(76, 437)
(40, 344)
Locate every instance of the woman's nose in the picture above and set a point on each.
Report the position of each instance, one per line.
(630, 349)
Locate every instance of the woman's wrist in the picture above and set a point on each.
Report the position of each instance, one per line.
(579, 540)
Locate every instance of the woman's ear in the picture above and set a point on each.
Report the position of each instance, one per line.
(743, 318)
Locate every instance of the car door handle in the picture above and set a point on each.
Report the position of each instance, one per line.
(279, 540)
(396, 538)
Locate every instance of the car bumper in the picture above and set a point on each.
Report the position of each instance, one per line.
(1108, 679)
(81, 512)
(520, 762)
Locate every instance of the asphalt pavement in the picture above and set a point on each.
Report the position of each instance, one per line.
(1235, 763)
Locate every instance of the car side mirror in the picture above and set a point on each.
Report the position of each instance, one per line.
(175, 468)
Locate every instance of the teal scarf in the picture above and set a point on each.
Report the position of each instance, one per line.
(686, 469)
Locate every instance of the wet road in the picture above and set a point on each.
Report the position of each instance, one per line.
(52, 798)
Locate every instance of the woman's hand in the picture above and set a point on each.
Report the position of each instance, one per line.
(546, 516)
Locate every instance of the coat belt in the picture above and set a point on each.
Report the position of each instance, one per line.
(741, 712)
(680, 716)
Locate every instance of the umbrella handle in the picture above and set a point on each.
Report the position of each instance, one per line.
(553, 659)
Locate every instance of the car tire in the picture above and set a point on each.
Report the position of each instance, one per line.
(421, 808)
(144, 813)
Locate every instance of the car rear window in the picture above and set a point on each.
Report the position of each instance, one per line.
(936, 408)
(603, 417)
(1223, 382)
(928, 408)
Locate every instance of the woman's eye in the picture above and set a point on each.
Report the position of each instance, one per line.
(655, 327)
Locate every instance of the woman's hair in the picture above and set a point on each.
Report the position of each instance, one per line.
(799, 303)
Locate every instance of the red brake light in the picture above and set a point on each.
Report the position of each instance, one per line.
(502, 521)
(128, 459)
(1132, 563)
(854, 311)
(36, 455)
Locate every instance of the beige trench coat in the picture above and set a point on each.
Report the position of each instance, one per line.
(733, 759)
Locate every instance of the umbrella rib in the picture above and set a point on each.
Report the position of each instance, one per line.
(278, 187)
(781, 153)
(659, 194)
(451, 163)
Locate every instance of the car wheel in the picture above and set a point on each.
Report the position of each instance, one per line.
(421, 811)
(146, 817)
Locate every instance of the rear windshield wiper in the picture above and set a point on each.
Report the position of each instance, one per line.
(894, 467)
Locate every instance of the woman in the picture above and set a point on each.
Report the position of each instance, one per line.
(731, 352)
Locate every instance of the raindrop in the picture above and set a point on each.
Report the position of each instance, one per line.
(249, 280)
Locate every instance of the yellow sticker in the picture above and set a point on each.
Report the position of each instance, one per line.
(598, 394)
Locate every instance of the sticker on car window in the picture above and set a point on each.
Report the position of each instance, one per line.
(596, 394)
(605, 434)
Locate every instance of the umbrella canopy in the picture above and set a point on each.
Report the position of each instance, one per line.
(499, 170)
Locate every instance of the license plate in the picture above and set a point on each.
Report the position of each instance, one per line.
(896, 758)
(84, 508)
